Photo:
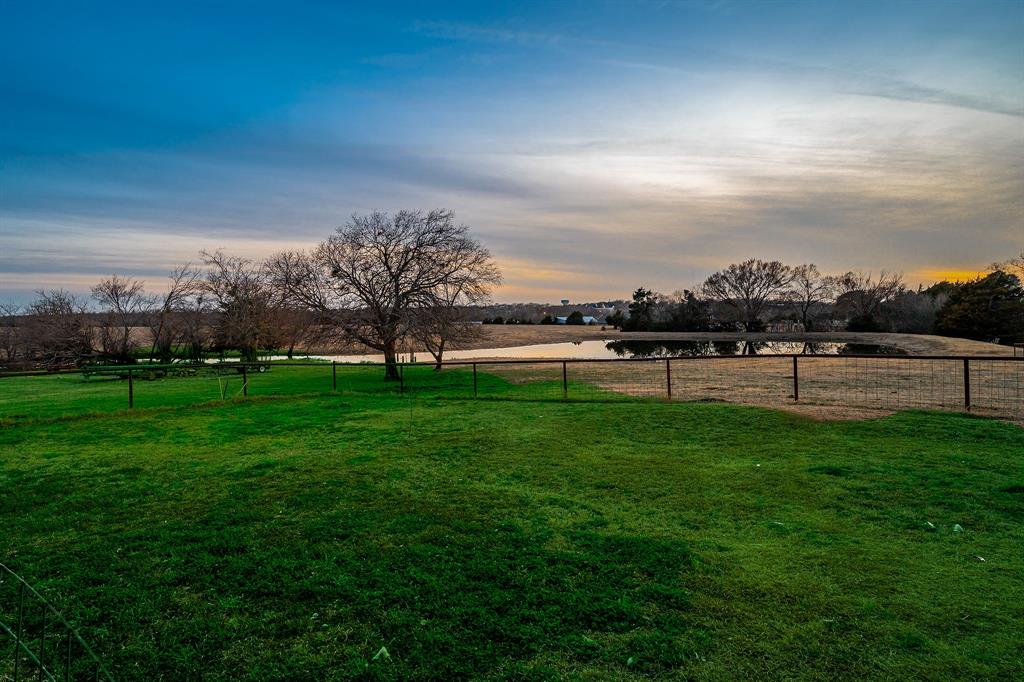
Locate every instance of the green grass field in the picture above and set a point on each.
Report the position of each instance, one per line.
(295, 537)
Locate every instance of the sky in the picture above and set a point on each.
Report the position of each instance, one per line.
(593, 147)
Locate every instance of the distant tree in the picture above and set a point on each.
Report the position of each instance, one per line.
(913, 312)
(57, 332)
(547, 319)
(808, 289)
(616, 319)
(11, 336)
(689, 313)
(989, 308)
(641, 311)
(574, 318)
(1012, 266)
(293, 324)
(861, 297)
(243, 302)
(124, 304)
(441, 328)
(747, 287)
(167, 322)
(373, 274)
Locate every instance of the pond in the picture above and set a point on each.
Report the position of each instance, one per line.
(591, 350)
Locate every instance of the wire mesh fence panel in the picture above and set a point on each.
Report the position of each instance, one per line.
(426, 380)
(36, 642)
(991, 385)
(60, 395)
(362, 378)
(756, 380)
(887, 383)
(601, 380)
(279, 379)
(997, 387)
(521, 380)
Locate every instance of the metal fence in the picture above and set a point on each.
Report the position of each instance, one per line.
(989, 385)
(39, 643)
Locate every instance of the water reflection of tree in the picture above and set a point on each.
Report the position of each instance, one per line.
(671, 349)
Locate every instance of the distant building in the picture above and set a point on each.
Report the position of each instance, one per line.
(587, 319)
(565, 301)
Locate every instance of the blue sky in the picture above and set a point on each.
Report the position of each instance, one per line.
(593, 146)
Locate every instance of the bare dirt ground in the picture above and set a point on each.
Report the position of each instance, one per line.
(504, 336)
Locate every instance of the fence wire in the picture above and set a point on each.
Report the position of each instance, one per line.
(36, 642)
(984, 384)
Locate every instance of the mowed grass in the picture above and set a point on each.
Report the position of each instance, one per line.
(302, 537)
(29, 398)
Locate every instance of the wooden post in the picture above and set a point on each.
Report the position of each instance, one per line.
(565, 381)
(474, 380)
(334, 376)
(668, 377)
(245, 381)
(967, 384)
(796, 381)
(131, 389)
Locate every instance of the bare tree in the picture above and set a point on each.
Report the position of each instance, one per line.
(746, 287)
(1013, 266)
(11, 333)
(57, 332)
(379, 269)
(297, 321)
(808, 289)
(166, 325)
(241, 298)
(861, 296)
(440, 328)
(124, 303)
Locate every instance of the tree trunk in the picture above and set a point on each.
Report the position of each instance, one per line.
(438, 356)
(390, 362)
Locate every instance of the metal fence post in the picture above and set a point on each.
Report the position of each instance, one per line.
(19, 628)
(245, 381)
(42, 646)
(474, 380)
(668, 377)
(131, 389)
(967, 384)
(334, 376)
(796, 381)
(565, 380)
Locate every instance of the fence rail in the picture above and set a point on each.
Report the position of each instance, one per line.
(991, 385)
(41, 644)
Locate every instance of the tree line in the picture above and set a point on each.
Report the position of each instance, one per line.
(748, 296)
(380, 280)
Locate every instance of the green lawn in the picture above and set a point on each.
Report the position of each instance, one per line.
(293, 538)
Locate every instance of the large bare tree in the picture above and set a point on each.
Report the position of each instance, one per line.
(747, 287)
(124, 303)
(861, 296)
(242, 301)
(809, 288)
(374, 274)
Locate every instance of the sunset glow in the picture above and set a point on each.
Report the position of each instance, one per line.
(592, 148)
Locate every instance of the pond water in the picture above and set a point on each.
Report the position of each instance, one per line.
(591, 350)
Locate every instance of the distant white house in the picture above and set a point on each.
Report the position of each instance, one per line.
(587, 319)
